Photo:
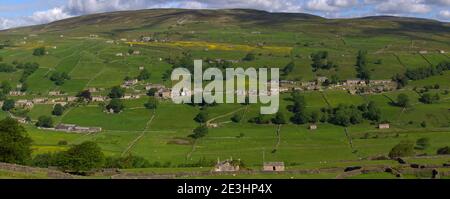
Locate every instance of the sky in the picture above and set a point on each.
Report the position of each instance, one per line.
(16, 13)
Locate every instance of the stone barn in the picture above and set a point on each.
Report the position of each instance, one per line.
(226, 166)
(383, 126)
(273, 166)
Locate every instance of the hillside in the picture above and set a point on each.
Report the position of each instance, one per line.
(76, 63)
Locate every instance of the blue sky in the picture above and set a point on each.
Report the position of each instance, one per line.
(14, 13)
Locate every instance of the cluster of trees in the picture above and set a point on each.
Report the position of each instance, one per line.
(80, 159)
(116, 104)
(421, 73)
(39, 51)
(28, 69)
(403, 149)
(361, 65)
(428, 98)
(8, 105)
(424, 72)
(59, 77)
(15, 144)
(7, 68)
(321, 61)
(44, 121)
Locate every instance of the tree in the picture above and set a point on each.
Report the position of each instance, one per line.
(15, 145)
(82, 158)
(152, 92)
(116, 105)
(45, 121)
(249, 57)
(423, 143)
(199, 132)
(315, 117)
(24, 87)
(116, 92)
(403, 149)
(301, 118)
(6, 87)
(401, 80)
(8, 105)
(236, 118)
(143, 75)
(361, 65)
(443, 151)
(403, 101)
(427, 98)
(152, 103)
(58, 110)
(201, 117)
(86, 94)
(39, 51)
(289, 68)
(59, 78)
(371, 111)
(279, 118)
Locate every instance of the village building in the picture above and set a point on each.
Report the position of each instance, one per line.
(226, 166)
(354, 82)
(72, 128)
(377, 82)
(423, 52)
(157, 86)
(384, 126)
(442, 51)
(92, 90)
(312, 127)
(1, 103)
(93, 36)
(55, 93)
(321, 79)
(141, 68)
(136, 52)
(126, 97)
(273, 166)
(98, 98)
(24, 104)
(164, 93)
(110, 42)
(129, 83)
(119, 54)
(39, 100)
(16, 93)
(71, 99)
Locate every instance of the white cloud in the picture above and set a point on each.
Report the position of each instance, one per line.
(330, 5)
(403, 6)
(444, 14)
(49, 16)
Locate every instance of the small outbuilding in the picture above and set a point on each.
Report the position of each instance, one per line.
(383, 126)
(312, 127)
(227, 166)
(273, 166)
